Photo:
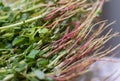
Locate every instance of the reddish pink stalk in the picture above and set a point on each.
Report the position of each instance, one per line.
(52, 14)
(74, 71)
(77, 24)
(75, 44)
(66, 37)
(61, 11)
(49, 17)
(72, 7)
(85, 45)
(69, 35)
(57, 49)
(67, 30)
(78, 55)
(87, 52)
(49, 26)
(62, 3)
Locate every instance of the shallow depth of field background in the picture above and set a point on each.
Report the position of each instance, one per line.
(111, 12)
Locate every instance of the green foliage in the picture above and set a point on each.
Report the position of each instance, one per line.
(33, 54)
(38, 35)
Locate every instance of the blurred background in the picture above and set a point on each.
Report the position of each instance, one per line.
(111, 12)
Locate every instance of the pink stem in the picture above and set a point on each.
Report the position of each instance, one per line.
(57, 49)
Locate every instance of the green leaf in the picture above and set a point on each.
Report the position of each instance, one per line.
(33, 54)
(20, 67)
(33, 79)
(43, 30)
(30, 32)
(9, 35)
(28, 49)
(43, 62)
(6, 9)
(18, 40)
(41, 53)
(24, 16)
(1, 5)
(39, 74)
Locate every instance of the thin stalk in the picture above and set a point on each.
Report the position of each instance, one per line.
(3, 17)
(26, 21)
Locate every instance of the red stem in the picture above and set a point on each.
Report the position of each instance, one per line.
(57, 49)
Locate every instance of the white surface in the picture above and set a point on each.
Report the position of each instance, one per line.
(106, 70)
